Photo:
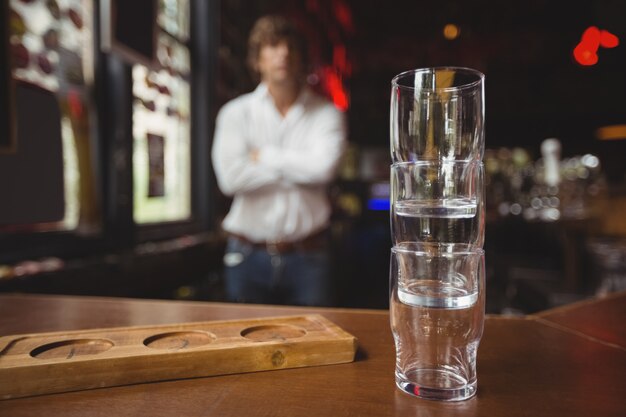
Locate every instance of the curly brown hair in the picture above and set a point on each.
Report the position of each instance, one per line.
(269, 30)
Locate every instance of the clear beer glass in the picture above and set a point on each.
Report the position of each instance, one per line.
(437, 114)
(437, 312)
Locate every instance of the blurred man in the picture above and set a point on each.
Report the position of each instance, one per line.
(275, 150)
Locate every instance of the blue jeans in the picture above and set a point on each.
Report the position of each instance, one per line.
(252, 275)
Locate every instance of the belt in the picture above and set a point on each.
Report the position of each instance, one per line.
(312, 242)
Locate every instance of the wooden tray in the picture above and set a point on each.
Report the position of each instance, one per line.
(45, 363)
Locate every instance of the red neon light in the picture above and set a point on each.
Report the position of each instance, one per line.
(584, 55)
(586, 52)
(608, 40)
(344, 16)
(591, 37)
(334, 87)
(339, 58)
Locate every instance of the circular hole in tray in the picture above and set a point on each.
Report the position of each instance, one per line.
(68, 349)
(274, 332)
(179, 340)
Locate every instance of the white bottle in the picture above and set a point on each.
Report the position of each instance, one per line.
(551, 152)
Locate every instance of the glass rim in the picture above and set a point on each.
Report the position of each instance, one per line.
(466, 70)
(441, 249)
(435, 162)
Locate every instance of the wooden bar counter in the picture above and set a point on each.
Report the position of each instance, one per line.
(602, 319)
(544, 365)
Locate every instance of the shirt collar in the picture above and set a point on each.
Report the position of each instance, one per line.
(262, 92)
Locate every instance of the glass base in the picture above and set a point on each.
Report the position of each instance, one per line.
(436, 384)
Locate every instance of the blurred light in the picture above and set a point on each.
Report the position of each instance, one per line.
(334, 86)
(340, 61)
(504, 208)
(350, 203)
(586, 51)
(554, 202)
(608, 40)
(185, 292)
(451, 31)
(584, 55)
(590, 161)
(591, 38)
(26, 268)
(612, 132)
(551, 214)
(344, 16)
(6, 272)
(378, 204)
(312, 79)
(582, 173)
(380, 190)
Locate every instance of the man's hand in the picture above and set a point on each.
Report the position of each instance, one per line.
(254, 155)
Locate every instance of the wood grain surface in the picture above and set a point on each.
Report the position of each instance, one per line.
(44, 363)
(603, 318)
(526, 367)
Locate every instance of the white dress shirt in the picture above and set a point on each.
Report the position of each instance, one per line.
(281, 196)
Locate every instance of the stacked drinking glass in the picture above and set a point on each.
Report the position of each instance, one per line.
(437, 288)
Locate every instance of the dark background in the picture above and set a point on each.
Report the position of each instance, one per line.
(534, 88)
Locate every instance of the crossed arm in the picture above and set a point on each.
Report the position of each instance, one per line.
(240, 167)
